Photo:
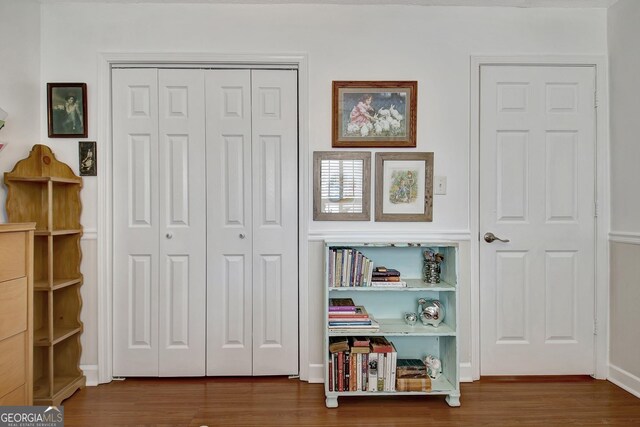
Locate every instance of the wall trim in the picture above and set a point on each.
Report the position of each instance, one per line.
(316, 373)
(105, 62)
(466, 372)
(89, 234)
(631, 238)
(91, 373)
(390, 235)
(600, 62)
(625, 380)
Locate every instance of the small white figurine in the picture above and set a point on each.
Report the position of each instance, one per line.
(434, 366)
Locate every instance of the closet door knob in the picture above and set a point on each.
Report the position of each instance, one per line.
(242, 236)
(169, 235)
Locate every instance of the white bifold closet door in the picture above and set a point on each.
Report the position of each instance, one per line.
(159, 243)
(252, 222)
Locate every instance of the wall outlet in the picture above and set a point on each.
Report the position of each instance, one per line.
(440, 185)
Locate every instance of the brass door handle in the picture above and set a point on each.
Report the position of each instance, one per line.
(490, 238)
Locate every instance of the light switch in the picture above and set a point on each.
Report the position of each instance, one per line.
(440, 185)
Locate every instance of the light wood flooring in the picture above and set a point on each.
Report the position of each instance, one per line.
(276, 401)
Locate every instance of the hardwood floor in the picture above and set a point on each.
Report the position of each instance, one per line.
(538, 401)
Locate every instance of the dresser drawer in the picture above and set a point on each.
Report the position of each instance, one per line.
(13, 303)
(12, 363)
(17, 397)
(12, 256)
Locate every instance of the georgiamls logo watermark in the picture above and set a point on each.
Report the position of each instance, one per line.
(31, 416)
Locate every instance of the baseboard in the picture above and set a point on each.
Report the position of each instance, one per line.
(91, 373)
(466, 373)
(625, 380)
(316, 373)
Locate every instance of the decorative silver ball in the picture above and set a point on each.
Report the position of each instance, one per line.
(431, 312)
(410, 318)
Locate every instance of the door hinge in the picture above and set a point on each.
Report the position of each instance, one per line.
(595, 327)
(595, 100)
(595, 209)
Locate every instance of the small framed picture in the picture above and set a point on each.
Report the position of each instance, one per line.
(404, 187)
(87, 157)
(374, 114)
(341, 186)
(67, 110)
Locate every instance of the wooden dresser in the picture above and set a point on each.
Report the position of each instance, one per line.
(16, 314)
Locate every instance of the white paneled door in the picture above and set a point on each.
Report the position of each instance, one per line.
(205, 275)
(159, 244)
(537, 190)
(252, 224)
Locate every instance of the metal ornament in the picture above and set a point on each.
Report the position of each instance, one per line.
(431, 312)
(410, 318)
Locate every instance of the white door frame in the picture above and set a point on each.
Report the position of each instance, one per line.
(105, 190)
(602, 196)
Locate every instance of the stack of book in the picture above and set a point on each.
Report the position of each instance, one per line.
(362, 364)
(349, 267)
(387, 277)
(411, 375)
(345, 316)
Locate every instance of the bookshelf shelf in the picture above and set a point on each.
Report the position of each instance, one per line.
(388, 306)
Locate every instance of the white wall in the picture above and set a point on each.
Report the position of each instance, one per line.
(624, 62)
(19, 82)
(430, 44)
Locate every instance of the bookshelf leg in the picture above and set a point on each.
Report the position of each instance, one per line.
(453, 399)
(332, 402)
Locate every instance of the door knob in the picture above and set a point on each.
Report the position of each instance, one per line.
(490, 238)
(242, 236)
(169, 235)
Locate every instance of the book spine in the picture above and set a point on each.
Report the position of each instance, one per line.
(353, 372)
(331, 267)
(394, 361)
(347, 373)
(338, 268)
(380, 372)
(372, 380)
(365, 371)
(370, 273)
(340, 371)
(359, 370)
(330, 372)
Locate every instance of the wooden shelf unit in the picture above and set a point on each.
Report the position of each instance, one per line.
(43, 190)
(388, 305)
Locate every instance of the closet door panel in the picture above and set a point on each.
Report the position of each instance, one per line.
(182, 223)
(275, 222)
(135, 222)
(229, 226)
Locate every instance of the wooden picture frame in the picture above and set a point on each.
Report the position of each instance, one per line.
(374, 114)
(67, 110)
(87, 158)
(404, 187)
(341, 186)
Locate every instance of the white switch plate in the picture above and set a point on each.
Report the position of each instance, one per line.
(440, 185)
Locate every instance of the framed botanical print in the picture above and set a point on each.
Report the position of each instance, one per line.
(374, 114)
(404, 187)
(341, 186)
(67, 110)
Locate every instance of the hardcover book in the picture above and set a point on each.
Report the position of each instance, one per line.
(338, 344)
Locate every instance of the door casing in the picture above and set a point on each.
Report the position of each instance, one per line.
(106, 62)
(602, 196)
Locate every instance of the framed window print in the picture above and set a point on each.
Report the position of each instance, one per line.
(374, 114)
(341, 186)
(404, 187)
(67, 110)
